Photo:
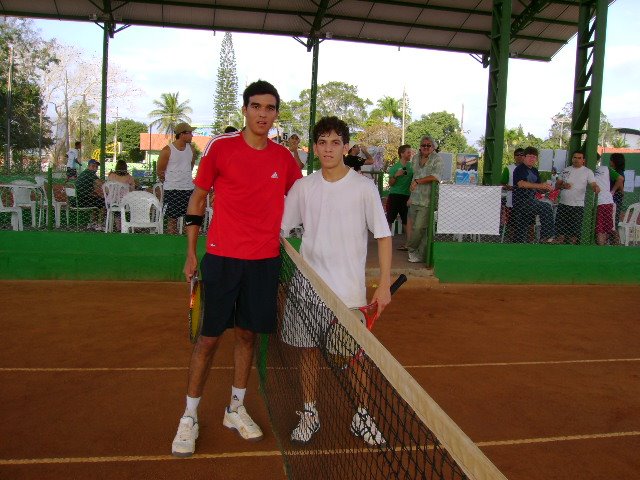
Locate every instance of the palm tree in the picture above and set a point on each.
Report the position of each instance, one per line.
(390, 108)
(170, 112)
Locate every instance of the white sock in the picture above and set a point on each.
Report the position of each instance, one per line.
(192, 407)
(237, 398)
(311, 407)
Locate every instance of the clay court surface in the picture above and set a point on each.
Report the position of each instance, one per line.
(545, 379)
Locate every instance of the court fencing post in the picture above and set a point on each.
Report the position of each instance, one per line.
(432, 208)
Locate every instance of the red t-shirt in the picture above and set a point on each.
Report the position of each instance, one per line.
(250, 187)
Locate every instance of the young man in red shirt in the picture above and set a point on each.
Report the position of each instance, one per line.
(250, 175)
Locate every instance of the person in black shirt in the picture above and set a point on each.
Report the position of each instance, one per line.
(353, 160)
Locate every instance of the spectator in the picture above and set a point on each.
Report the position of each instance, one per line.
(72, 159)
(174, 171)
(355, 161)
(572, 184)
(298, 154)
(230, 129)
(121, 175)
(605, 217)
(89, 192)
(526, 181)
(507, 184)
(400, 177)
(427, 169)
(617, 163)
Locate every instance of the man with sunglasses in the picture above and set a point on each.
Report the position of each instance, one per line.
(427, 169)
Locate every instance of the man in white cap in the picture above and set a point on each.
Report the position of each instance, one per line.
(299, 154)
(174, 171)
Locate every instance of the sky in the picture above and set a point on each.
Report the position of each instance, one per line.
(160, 60)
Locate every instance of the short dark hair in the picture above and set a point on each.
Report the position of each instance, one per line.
(581, 152)
(531, 151)
(260, 87)
(78, 144)
(230, 129)
(518, 151)
(617, 161)
(328, 125)
(402, 148)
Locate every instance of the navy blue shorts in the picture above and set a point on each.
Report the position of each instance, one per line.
(240, 293)
(176, 202)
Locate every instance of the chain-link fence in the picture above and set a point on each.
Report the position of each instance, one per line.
(72, 201)
(491, 214)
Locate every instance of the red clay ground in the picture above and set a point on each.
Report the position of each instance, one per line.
(544, 378)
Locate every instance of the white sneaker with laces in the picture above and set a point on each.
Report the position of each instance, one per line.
(414, 257)
(364, 426)
(242, 423)
(308, 425)
(184, 444)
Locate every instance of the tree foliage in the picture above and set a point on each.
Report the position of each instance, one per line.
(169, 112)
(129, 135)
(384, 135)
(31, 57)
(225, 102)
(443, 127)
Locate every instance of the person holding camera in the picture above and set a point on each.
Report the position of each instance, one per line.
(400, 176)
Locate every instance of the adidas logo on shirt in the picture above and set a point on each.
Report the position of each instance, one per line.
(275, 175)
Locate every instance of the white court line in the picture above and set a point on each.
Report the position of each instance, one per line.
(444, 365)
(509, 364)
(276, 453)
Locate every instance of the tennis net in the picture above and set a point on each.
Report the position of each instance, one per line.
(375, 421)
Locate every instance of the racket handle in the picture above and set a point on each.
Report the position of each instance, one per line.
(398, 283)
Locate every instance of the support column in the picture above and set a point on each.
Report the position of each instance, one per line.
(587, 95)
(312, 102)
(107, 29)
(497, 95)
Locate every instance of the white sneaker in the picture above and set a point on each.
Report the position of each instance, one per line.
(414, 257)
(308, 425)
(242, 422)
(364, 426)
(184, 444)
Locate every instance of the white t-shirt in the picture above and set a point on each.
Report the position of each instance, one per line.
(511, 167)
(602, 179)
(337, 217)
(579, 178)
(72, 157)
(303, 156)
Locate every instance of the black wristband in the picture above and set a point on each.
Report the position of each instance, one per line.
(193, 220)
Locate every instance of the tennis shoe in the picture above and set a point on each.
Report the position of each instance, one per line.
(365, 427)
(184, 444)
(308, 425)
(414, 257)
(242, 423)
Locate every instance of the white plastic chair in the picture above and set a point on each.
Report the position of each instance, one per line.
(16, 213)
(628, 226)
(72, 204)
(113, 193)
(44, 204)
(22, 197)
(140, 210)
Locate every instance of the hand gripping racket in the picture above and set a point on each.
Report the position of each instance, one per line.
(196, 307)
(368, 315)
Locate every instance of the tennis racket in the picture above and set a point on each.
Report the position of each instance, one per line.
(196, 307)
(368, 315)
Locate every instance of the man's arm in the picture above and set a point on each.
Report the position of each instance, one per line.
(382, 294)
(163, 161)
(196, 207)
(368, 158)
(193, 158)
(534, 186)
(619, 185)
(595, 187)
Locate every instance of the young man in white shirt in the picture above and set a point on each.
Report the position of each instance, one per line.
(335, 204)
(572, 184)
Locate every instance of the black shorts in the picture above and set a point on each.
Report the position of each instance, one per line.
(569, 220)
(176, 202)
(240, 293)
(397, 205)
